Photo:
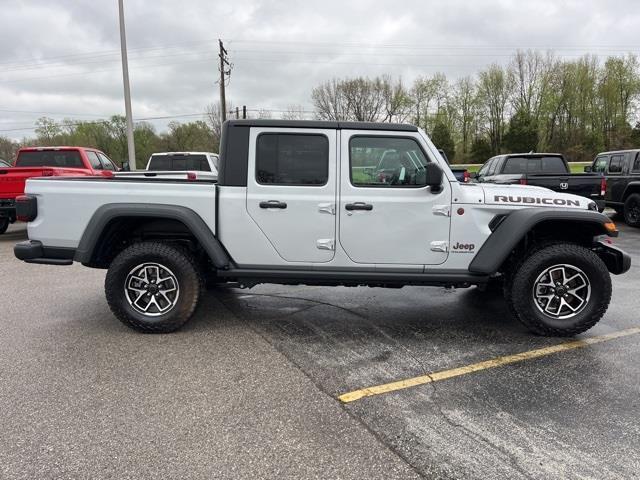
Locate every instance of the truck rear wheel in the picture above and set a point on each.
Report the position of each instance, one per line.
(632, 210)
(4, 224)
(561, 289)
(153, 287)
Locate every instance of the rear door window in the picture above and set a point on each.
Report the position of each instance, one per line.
(615, 164)
(292, 159)
(50, 158)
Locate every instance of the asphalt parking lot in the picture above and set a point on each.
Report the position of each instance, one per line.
(251, 387)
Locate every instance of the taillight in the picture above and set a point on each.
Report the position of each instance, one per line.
(523, 181)
(47, 173)
(466, 176)
(192, 176)
(603, 187)
(26, 208)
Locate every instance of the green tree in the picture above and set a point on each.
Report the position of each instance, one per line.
(481, 150)
(522, 135)
(441, 137)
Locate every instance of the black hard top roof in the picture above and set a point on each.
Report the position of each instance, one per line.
(396, 127)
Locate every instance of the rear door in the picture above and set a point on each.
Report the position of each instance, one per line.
(616, 182)
(388, 215)
(291, 191)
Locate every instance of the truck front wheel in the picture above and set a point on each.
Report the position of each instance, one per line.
(153, 287)
(4, 224)
(561, 289)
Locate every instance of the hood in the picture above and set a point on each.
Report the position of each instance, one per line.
(530, 196)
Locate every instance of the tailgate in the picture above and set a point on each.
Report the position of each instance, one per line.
(12, 180)
(583, 185)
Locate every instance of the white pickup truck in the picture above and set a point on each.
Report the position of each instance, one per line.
(303, 202)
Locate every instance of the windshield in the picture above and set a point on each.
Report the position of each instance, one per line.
(50, 158)
(179, 163)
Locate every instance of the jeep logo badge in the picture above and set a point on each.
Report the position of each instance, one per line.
(564, 185)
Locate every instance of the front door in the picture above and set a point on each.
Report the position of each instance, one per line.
(387, 213)
(291, 191)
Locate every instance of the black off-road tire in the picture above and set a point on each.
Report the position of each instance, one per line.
(4, 224)
(181, 264)
(519, 289)
(632, 210)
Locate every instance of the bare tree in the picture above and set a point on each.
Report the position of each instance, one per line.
(397, 101)
(295, 112)
(329, 100)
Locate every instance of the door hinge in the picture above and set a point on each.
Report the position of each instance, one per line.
(325, 244)
(329, 208)
(440, 246)
(442, 210)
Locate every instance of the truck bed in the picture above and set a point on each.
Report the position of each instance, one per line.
(82, 197)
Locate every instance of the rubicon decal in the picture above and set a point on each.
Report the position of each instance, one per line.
(463, 248)
(536, 200)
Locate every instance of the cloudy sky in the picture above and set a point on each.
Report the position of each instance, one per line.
(60, 58)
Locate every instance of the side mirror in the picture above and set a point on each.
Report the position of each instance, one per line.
(125, 167)
(588, 169)
(473, 175)
(434, 176)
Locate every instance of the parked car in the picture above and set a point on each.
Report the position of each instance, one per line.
(288, 209)
(4, 164)
(622, 172)
(548, 170)
(46, 161)
(184, 161)
(461, 173)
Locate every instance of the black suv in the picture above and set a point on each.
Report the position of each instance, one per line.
(622, 172)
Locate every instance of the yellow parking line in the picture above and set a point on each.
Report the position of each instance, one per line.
(476, 367)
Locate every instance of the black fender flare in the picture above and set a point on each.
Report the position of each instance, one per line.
(517, 224)
(111, 211)
(630, 186)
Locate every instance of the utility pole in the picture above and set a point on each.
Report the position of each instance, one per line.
(225, 70)
(131, 147)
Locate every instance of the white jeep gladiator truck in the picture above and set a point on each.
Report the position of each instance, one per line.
(306, 202)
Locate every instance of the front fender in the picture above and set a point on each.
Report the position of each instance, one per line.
(517, 224)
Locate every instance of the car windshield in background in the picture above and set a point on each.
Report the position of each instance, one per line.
(179, 163)
(517, 165)
(4, 164)
(50, 158)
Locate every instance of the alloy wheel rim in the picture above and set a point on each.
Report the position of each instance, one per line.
(561, 291)
(151, 289)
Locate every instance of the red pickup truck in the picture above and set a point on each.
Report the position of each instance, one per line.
(46, 162)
